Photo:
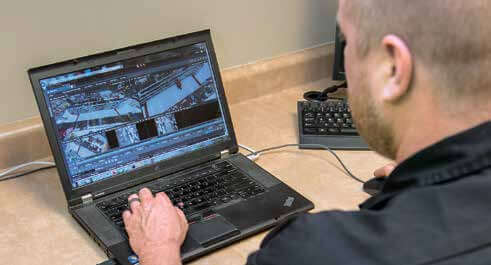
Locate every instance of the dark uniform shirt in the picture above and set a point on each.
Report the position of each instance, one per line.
(435, 208)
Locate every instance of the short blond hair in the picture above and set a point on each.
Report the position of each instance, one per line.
(452, 37)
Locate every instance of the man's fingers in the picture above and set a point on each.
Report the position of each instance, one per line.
(388, 169)
(134, 203)
(384, 171)
(126, 217)
(183, 220)
(127, 220)
(162, 197)
(181, 215)
(145, 197)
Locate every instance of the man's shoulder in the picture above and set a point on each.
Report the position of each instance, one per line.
(414, 227)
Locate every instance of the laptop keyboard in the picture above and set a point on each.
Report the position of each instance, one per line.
(200, 190)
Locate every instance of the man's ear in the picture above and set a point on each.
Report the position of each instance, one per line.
(400, 73)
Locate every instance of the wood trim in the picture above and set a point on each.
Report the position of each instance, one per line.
(273, 75)
(23, 141)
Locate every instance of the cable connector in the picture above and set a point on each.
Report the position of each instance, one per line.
(253, 155)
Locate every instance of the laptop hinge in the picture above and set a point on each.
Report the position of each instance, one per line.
(225, 153)
(87, 199)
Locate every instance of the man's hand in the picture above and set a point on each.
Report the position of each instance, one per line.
(385, 170)
(155, 227)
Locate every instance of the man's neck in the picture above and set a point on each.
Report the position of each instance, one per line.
(426, 131)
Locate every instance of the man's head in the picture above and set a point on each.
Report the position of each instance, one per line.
(406, 57)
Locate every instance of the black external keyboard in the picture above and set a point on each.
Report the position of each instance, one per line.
(328, 123)
(196, 192)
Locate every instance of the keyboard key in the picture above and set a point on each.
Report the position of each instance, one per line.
(349, 131)
(309, 125)
(309, 115)
(333, 131)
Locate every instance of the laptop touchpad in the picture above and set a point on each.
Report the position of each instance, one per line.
(211, 231)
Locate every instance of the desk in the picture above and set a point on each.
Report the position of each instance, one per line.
(35, 227)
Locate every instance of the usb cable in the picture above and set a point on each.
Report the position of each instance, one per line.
(256, 154)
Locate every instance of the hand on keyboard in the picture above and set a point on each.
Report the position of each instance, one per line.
(196, 192)
(156, 228)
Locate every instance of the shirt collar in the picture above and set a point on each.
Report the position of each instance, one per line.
(450, 159)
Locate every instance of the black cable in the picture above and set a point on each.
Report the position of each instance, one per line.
(324, 95)
(313, 146)
(25, 173)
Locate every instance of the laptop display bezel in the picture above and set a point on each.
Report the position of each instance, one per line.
(126, 180)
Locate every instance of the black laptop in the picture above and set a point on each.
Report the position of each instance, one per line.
(155, 115)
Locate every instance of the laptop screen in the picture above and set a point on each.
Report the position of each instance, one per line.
(116, 118)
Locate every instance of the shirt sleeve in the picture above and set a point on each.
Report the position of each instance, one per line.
(316, 239)
(263, 255)
(263, 251)
(289, 243)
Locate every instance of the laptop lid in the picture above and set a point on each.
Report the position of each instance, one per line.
(124, 117)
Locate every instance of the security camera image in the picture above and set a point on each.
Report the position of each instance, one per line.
(127, 135)
(85, 147)
(111, 103)
(166, 124)
(101, 112)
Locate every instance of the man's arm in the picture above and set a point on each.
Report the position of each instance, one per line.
(156, 228)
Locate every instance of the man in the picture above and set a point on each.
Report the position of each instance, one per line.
(421, 96)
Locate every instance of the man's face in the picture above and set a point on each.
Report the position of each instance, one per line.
(362, 92)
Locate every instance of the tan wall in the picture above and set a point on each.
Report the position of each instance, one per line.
(34, 33)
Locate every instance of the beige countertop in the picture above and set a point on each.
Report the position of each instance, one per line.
(37, 229)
